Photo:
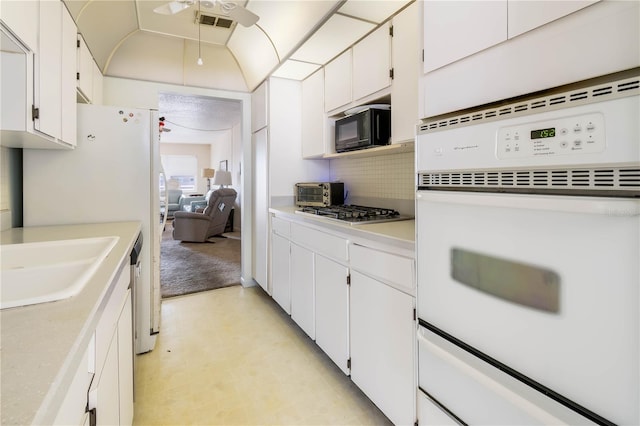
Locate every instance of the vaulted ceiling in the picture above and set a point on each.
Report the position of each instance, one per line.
(291, 39)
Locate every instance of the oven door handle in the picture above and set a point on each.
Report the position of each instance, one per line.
(619, 207)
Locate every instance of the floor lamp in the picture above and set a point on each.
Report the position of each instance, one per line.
(208, 174)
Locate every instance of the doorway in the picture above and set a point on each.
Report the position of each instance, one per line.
(198, 133)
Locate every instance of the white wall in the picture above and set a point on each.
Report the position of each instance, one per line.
(200, 151)
(285, 141)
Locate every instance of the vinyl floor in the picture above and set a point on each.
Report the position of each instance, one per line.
(231, 356)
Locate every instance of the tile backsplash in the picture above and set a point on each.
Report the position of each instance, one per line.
(381, 177)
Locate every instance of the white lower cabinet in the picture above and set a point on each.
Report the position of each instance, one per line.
(101, 391)
(357, 303)
(103, 395)
(73, 408)
(302, 305)
(111, 392)
(332, 310)
(382, 330)
(110, 396)
(125, 362)
(280, 282)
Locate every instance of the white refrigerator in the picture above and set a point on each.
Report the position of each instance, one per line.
(112, 175)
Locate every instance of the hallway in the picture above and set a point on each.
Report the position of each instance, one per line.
(232, 356)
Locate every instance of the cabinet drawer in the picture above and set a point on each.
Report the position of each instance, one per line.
(319, 242)
(280, 226)
(478, 393)
(392, 269)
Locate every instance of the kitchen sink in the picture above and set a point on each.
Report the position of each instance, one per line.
(48, 271)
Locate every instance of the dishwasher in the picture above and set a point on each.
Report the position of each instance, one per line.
(135, 269)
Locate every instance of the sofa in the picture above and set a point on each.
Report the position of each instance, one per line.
(190, 203)
(173, 201)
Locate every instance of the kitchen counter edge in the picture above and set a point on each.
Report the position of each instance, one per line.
(399, 234)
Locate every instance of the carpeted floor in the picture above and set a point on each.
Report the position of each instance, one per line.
(192, 267)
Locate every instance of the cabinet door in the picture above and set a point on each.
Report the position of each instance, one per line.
(382, 346)
(453, 30)
(371, 63)
(103, 394)
(260, 207)
(527, 15)
(22, 18)
(302, 304)
(85, 71)
(405, 53)
(280, 283)
(69, 130)
(125, 362)
(332, 310)
(313, 118)
(337, 82)
(48, 87)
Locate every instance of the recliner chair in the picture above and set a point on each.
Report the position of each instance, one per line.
(198, 227)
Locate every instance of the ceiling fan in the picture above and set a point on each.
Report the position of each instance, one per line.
(234, 11)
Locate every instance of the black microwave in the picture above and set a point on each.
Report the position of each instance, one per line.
(365, 129)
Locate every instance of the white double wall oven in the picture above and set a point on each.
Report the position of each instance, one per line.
(528, 240)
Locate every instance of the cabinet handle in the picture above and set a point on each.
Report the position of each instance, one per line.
(93, 417)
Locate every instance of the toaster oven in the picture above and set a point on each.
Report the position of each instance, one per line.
(319, 193)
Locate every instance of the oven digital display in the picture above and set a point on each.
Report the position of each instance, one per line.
(543, 133)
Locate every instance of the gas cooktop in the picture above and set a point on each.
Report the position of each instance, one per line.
(353, 214)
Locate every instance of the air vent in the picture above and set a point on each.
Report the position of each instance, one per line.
(213, 21)
(607, 181)
(596, 93)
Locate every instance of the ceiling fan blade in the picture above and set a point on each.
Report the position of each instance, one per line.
(243, 16)
(171, 8)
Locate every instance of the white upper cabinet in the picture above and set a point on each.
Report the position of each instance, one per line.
(313, 117)
(527, 15)
(98, 78)
(337, 81)
(456, 29)
(405, 54)
(476, 53)
(259, 117)
(372, 63)
(85, 71)
(22, 17)
(89, 76)
(48, 88)
(68, 131)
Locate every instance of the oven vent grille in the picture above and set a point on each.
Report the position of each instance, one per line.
(623, 180)
(596, 93)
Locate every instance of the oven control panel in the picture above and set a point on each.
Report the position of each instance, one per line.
(574, 135)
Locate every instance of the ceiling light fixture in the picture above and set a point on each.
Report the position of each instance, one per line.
(199, 61)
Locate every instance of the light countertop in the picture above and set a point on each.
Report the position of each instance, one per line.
(398, 234)
(42, 344)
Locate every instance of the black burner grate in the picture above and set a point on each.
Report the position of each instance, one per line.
(353, 213)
